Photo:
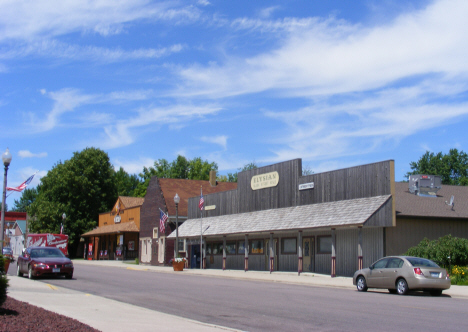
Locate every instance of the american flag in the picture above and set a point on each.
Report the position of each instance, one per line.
(21, 186)
(202, 202)
(162, 222)
(61, 228)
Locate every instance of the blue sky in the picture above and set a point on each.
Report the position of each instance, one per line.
(336, 83)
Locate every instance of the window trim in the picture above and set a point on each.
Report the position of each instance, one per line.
(282, 246)
(319, 237)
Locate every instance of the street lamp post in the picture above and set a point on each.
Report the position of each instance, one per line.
(6, 158)
(176, 201)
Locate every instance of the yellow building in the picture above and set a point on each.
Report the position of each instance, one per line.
(117, 236)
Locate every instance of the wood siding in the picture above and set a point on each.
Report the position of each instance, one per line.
(410, 231)
(127, 215)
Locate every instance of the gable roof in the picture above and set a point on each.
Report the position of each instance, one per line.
(21, 225)
(131, 202)
(408, 204)
(350, 212)
(186, 189)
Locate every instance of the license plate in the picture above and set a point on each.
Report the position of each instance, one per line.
(435, 274)
(56, 270)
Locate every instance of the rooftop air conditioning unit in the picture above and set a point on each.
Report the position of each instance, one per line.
(424, 185)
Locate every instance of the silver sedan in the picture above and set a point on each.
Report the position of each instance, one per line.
(400, 274)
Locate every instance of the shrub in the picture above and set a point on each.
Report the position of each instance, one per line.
(459, 275)
(447, 251)
(137, 261)
(3, 282)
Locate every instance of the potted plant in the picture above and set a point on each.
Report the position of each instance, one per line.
(178, 263)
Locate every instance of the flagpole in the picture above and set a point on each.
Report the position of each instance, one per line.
(201, 232)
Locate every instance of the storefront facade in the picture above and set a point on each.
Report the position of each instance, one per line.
(117, 236)
(279, 220)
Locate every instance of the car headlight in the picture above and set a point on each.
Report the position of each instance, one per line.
(41, 266)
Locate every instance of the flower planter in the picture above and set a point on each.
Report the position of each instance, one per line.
(178, 266)
(6, 264)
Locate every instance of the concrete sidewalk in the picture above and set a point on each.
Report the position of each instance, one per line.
(109, 315)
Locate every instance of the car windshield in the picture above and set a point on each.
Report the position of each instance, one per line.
(46, 252)
(421, 262)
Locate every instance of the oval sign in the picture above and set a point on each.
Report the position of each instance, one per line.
(265, 180)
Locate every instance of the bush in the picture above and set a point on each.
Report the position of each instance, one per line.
(137, 261)
(3, 282)
(447, 251)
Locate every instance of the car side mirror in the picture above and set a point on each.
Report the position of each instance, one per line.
(371, 267)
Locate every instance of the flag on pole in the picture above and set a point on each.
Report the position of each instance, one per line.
(202, 201)
(21, 186)
(162, 222)
(61, 228)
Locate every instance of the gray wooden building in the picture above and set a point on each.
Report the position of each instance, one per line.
(279, 220)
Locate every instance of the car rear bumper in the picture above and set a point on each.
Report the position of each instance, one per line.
(429, 283)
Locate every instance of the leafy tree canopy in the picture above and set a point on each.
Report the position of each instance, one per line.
(452, 167)
(28, 197)
(126, 183)
(180, 168)
(81, 187)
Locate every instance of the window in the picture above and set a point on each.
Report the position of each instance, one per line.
(241, 247)
(324, 244)
(217, 248)
(230, 248)
(289, 246)
(155, 232)
(208, 249)
(257, 246)
(395, 263)
(181, 245)
(381, 264)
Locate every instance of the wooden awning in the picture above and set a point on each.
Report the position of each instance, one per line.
(125, 227)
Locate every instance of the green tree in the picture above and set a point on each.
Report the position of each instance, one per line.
(28, 197)
(81, 187)
(126, 183)
(180, 168)
(452, 167)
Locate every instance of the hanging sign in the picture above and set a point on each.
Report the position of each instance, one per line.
(210, 207)
(265, 180)
(305, 186)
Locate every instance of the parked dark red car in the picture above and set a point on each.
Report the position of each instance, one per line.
(44, 261)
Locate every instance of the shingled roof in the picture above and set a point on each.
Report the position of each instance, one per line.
(411, 205)
(188, 188)
(113, 229)
(130, 202)
(332, 214)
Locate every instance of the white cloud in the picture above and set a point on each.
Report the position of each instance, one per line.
(220, 140)
(28, 154)
(27, 20)
(133, 166)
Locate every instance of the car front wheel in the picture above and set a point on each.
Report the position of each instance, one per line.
(18, 271)
(361, 284)
(402, 287)
(30, 272)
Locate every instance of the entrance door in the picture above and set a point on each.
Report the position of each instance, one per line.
(195, 259)
(308, 254)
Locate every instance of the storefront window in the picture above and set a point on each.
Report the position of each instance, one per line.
(241, 247)
(257, 246)
(231, 248)
(324, 244)
(217, 248)
(208, 249)
(289, 246)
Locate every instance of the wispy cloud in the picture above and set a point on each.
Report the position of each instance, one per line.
(28, 154)
(220, 140)
(27, 20)
(133, 166)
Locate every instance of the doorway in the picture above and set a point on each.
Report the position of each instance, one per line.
(308, 254)
(195, 256)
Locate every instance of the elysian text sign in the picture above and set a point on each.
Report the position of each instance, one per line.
(265, 180)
